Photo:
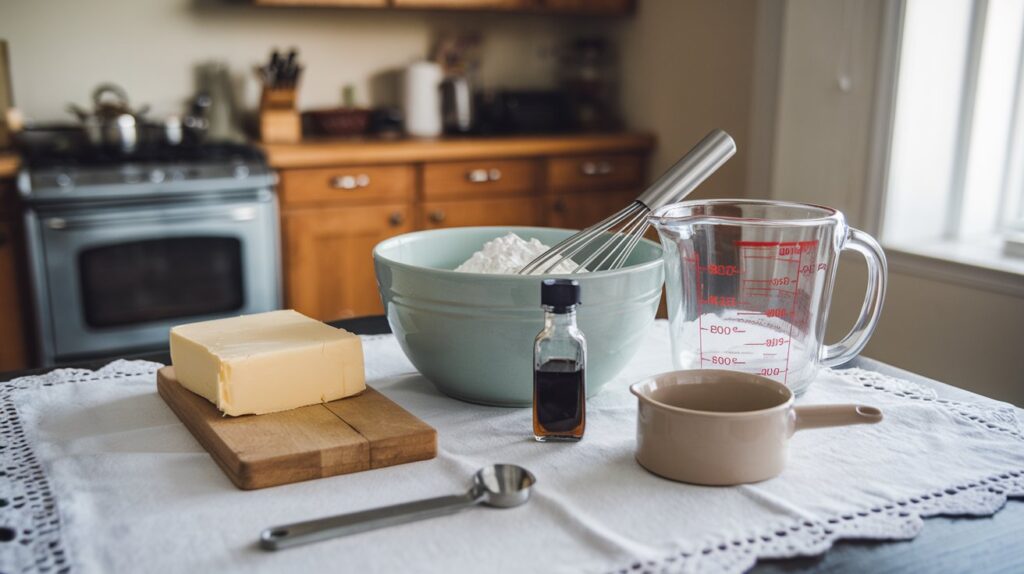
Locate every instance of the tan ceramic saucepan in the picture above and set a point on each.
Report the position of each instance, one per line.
(724, 427)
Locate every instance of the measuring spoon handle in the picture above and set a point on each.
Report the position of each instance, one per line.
(288, 535)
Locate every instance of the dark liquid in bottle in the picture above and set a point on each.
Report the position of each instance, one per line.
(559, 392)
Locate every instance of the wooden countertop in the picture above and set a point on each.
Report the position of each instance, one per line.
(9, 163)
(313, 153)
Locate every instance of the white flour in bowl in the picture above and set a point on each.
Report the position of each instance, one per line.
(509, 254)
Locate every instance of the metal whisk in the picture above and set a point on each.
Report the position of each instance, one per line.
(621, 232)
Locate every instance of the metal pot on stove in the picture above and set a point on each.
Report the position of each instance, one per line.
(112, 124)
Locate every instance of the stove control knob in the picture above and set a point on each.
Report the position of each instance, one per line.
(177, 175)
(63, 180)
(157, 176)
(241, 171)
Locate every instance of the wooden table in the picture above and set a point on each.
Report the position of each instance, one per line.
(963, 544)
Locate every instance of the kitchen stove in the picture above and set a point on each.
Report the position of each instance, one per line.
(121, 248)
(169, 170)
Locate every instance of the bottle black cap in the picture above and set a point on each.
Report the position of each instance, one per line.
(561, 295)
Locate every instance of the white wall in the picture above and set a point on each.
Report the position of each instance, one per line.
(687, 67)
(61, 49)
(971, 337)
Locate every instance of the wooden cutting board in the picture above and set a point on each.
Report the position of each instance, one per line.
(348, 435)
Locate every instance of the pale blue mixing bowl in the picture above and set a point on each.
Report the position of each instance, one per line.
(472, 334)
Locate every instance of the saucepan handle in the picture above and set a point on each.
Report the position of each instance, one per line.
(817, 416)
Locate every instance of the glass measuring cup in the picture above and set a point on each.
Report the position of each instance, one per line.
(749, 284)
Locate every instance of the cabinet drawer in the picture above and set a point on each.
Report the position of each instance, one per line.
(500, 211)
(347, 185)
(581, 210)
(593, 172)
(480, 178)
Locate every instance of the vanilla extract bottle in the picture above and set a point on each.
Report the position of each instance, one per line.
(559, 366)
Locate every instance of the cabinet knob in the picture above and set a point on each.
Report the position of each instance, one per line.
(396, 219)
(437, 216)
(481, 175)
(348, 182)
(596, 168)
(559, 206)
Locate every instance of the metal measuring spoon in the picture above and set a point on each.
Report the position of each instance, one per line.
(500, 486)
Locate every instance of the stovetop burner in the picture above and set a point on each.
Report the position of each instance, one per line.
(66, 147)
(62, 166)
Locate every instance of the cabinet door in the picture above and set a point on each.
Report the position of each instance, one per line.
(579, 210)
(12, 336)
(328, 257)
(506, 211)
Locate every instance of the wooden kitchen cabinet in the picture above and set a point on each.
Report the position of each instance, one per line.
(347, 185)
(504, 211)
(12, 325)
(480, 178)
(579, 210)
(608, 7)
(340, 198)
(581, 7)
(469, 4)
(325, 3)
(593, 172)
(328, 257)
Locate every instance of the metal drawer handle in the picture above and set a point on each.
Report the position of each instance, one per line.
(238, 214)
(596, 168)
(481, 175)
(350, 181)
(437, 216)
(396, 219)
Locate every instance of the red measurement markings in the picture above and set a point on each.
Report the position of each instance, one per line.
(779, 290)
(719, 301)
(771, 342)
(723, 360)
(769, 257)
(792, 313)
(700, 313)
(722, 270)
(802, 244)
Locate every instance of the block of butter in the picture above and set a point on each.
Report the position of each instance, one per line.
(267, 362)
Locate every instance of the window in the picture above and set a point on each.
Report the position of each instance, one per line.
(955, 186)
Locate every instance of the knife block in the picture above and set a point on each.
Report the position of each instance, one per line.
(279, 119)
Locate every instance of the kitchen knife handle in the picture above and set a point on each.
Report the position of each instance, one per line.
(288, 535)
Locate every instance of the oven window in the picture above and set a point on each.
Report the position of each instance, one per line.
(160, 279)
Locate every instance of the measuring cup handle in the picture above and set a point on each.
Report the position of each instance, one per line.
(854, 341)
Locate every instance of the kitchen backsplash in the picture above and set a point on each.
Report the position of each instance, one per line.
(152, 46)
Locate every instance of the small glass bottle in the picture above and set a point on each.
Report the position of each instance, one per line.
(559, 366)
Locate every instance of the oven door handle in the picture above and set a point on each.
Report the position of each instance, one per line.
(238, 214)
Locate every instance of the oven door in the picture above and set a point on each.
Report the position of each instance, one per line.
(118, 279)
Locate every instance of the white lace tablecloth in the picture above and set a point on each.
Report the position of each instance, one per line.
(100, 475)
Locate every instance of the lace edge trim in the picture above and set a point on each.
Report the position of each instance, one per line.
(899, 520)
